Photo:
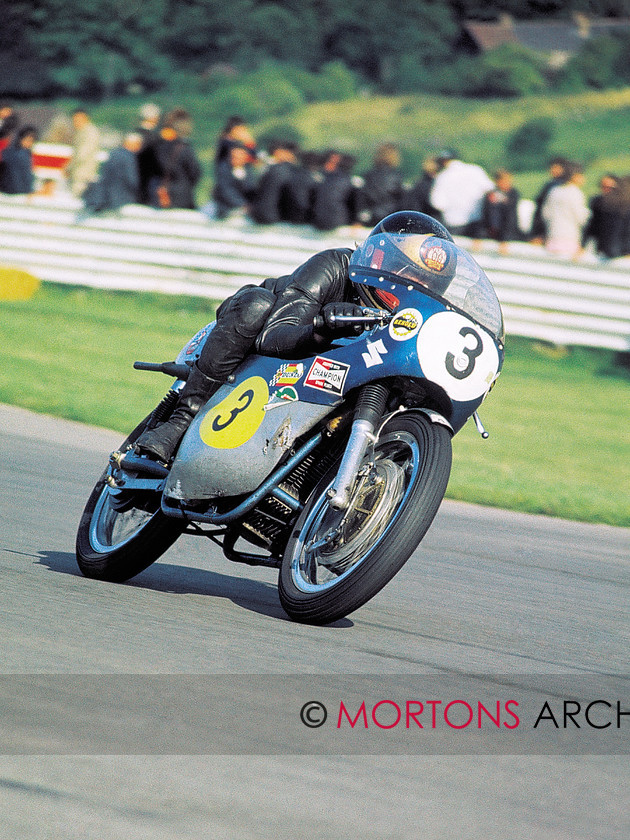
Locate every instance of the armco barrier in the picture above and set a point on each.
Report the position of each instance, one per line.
(182, 252)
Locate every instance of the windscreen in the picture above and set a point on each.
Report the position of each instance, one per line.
(435, 265)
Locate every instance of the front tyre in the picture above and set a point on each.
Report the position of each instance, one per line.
(336, 561)
(121, 535)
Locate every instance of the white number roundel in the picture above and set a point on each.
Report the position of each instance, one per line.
(457, 355)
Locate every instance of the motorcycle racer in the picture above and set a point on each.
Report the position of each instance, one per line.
(296, 315)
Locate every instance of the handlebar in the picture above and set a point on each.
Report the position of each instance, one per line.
(369, 317)
(169, 368)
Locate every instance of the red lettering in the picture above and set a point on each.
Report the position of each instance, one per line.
(414, 715)
(433, 704)
(387, 725)
(481, 708)
(460, 703)
(362, 711)
(511, 713)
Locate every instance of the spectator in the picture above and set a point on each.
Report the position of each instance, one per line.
(335, 197)
(300, 191)
(119, 178)
(556, 172)
(235, 183)
(620, 199)
(82, 169)
(147, 165)
(235, 130)
(8, 122)
(458, 191)
(565, 213)
(500, 206)
(176, 166)
(606, 223)
(16, 173)
(383, 189)
(271, 200)
(419, 194)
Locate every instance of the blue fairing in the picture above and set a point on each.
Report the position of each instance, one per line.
(454, 352)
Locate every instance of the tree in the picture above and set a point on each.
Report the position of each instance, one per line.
(98, 46)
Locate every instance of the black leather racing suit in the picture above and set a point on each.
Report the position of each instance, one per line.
(276, 318)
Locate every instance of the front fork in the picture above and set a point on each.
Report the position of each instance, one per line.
(367, 417)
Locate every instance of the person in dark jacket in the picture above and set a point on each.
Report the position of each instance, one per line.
(383, 190)
(235, 182)
(148, 129)
(16, 173)
(235, 132)
(608, 219)
(335, 198)
(418, 196)
(118, 180)
(177, 167)
(500, 211)
(300, 191)
(270, 202)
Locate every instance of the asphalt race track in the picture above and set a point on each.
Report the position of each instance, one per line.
(96, 678)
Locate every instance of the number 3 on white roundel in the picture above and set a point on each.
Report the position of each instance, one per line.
(458, 355)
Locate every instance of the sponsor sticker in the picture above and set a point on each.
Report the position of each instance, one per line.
(287, 374)
(197, 339)
(282, 396)
(375, 352)
(433, 255)
(405, 324)
(327, 375)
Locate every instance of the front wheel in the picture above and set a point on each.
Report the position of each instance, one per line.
(121, 534)
(335, 561)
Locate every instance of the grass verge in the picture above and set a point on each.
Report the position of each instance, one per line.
(558, 418)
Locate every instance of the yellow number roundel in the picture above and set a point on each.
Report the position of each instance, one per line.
(236, 418)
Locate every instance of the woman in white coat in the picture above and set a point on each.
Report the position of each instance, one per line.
(565, 212)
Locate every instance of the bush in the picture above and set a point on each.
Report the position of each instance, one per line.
(509, 70)
(530, 144)
(596, 65)
(264, 93)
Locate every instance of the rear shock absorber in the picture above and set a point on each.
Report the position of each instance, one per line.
(367, 416)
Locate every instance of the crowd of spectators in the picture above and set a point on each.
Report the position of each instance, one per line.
(156, 165)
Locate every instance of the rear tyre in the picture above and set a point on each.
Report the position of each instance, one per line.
(120, 534)
(336, 561)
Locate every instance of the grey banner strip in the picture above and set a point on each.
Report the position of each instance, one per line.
(314, 714)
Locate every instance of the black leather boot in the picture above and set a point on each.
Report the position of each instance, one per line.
(161, 443)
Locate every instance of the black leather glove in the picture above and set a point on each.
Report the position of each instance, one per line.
(327, 323)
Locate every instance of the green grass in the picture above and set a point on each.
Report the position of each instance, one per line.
(558, 421)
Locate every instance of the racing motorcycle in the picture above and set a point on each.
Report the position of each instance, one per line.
(330, 468)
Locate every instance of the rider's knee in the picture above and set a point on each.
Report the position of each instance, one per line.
(251, 309)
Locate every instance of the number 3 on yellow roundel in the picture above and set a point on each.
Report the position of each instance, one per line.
(236, 418)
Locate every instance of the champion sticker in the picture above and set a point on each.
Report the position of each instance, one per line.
(327, 375)
(405, 324)
(288, 374)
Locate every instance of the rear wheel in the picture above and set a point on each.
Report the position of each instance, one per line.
(120, 534)
(335, 561)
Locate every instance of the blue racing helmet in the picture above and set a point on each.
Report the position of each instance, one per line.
(408, 245)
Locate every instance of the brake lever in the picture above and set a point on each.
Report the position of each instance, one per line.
(370, 316)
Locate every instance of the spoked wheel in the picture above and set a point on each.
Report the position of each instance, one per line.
(335, 561)
(121, 533)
